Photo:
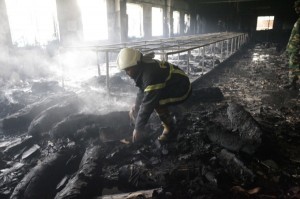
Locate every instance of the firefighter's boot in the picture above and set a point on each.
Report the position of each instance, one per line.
(167, 123)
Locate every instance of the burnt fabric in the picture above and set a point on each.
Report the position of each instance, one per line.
(160, 84)
(293, 49)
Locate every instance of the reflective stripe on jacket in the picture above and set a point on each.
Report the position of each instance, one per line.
(160, 83)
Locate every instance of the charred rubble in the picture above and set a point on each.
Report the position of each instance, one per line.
(237, 137)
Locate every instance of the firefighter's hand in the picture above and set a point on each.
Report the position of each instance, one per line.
(132, 114)
(136, 136)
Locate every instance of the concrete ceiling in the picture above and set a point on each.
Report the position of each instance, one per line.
(246, 6)
(223, 1)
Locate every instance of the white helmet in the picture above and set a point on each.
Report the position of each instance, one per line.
(128, 57)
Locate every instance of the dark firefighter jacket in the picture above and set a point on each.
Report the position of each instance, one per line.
(159, 83)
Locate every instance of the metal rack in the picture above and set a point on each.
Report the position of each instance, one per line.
(196, 54)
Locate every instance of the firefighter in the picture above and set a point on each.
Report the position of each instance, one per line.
(293, 50)
(160, 84)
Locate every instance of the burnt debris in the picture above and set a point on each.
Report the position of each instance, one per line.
(236, 137)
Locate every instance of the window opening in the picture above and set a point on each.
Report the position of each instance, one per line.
(32, 22)
(135, 20)
(94, 19)
(265, 23)
(157, 21)
(176, 22)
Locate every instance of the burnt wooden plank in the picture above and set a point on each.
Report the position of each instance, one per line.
(41, 180)
(80, 125)
(235, 167)
(235, 129)
(54, 114)
(248, 129)
(137, 194)
(20, 121)
(86, 181)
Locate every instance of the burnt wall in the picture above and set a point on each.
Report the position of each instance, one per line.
(242, 16)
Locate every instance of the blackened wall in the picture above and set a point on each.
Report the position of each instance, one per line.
(242, 16)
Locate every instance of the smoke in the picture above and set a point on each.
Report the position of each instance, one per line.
(76, 70)
(77, 67)
(101, 102)
(20, 65)
(71, 68)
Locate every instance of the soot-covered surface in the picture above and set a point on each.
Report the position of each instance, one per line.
(242, 142)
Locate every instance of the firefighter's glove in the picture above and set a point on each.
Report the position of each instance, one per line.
(132, 115)
(137, 136)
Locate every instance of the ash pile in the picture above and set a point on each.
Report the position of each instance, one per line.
(236, 137)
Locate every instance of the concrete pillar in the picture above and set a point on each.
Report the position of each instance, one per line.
(120, 31)
(193, 24)
(123, 21)
(112, 19)
(5, 36)
(168, 18)
(147, 20)
(182, 26)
